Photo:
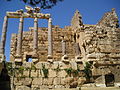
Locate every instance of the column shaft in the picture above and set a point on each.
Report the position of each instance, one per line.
(63, 47)
(19, 38)
(77, 49)
(3, 36)
(50, 48)
(35, 38)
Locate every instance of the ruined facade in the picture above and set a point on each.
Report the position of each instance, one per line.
(67, 57)
(57, 33)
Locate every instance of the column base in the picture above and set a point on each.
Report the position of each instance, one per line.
(49, 58)
(100, 85)
(65, 58)
(18, 58)
(35, 60)
(117, 84)
(78, 58)
(2, 58)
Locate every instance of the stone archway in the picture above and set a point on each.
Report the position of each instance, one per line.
(109, 80)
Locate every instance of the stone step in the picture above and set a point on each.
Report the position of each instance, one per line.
(88, 88)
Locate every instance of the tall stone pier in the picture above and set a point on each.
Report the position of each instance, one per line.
(35, 36)
(50, 48)
(19, 38)
(3, 38)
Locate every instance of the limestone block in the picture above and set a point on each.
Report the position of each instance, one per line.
(96, 71)
(47, 65)
(40, 73)
(18, 73)
(59, 86)
(62, 73)
(27, 81)
(22, 88)
(51, 86)
(55, 65)
(27, 64)
(47, 81)
(81, 80)
(99, 85)
(35, 60)
(26, 73)
(117, 84)
(63, 81)
(44, 87)
(73, 65)
(68, 80)
(35, 87)
(57, 81)
(17, 82)
(74, 84)
(52, 73)
(37, 81)
(100, 80)
(38, 65)
(63, 65)
(34, 73)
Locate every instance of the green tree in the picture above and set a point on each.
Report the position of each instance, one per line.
(45, 4)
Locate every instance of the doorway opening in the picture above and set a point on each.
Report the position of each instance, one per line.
(109, 80)
(29, 58)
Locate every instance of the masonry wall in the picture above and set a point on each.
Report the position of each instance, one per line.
(100, 41)
(58, 33)
(44, 75)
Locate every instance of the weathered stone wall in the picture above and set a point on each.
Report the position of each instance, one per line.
(100, 41)
(58, 33)
(98, 44)
(44, 75)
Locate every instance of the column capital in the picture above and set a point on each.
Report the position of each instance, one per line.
(5, 16)
(50, 20)
(21, 19)
(36, 19)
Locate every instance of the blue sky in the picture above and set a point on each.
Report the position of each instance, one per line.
(91, 11)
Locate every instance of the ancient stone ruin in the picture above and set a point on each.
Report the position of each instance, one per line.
(76, 56)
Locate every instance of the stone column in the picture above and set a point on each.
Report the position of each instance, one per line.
(3, 36)
(77, 51)
(19, 38)
(64, 51)
(35, 36)
(50, 48)
(63, 47)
